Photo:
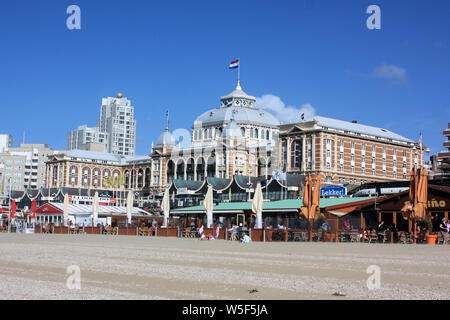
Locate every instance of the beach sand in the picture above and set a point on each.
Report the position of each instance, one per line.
(34, 266)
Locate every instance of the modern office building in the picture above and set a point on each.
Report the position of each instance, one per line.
(441, 162)
(24, 167)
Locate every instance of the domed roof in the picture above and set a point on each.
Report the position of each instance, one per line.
(241, 107)
(241, 115)
(238, 93)
(232, 131)
(165, 140)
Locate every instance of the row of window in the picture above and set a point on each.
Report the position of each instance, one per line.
(209, 133)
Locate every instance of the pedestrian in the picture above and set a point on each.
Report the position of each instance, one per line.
(217, 231)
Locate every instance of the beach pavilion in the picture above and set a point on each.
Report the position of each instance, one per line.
(53, 212)
(388, 208)
(190, 193)
(275, 213)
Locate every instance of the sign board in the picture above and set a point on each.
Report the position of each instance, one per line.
(329, 191)
(182, 191)
(91, 199)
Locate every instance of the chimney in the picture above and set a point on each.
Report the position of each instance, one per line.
(354, 121)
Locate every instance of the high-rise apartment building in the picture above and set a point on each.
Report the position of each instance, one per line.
(116, 129)
(5, 142)
(78, 139)
(117, 120)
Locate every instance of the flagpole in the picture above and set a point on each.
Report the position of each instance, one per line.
(9, 205)
(239, 71)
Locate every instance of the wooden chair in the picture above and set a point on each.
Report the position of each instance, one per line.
(186, 232)
(144, 231)
(342, 237)
(304, 236)
(354, 237)
(385, 236)
(373, 237)
(406, 237)
(442, 238)
(72, 231)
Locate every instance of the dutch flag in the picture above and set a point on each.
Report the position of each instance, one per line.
(234, 64)
(229, 103)
(303, 116)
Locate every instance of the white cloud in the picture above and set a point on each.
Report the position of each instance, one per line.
(285, 114)
(389, 71)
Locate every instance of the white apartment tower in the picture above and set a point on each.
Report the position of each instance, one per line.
(5, 142)
(117, 120)
(77, 139)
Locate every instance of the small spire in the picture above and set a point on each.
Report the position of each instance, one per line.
(238, 87)
(167, 116)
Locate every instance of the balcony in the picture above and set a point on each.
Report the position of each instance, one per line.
(446, 132)
(446, 144)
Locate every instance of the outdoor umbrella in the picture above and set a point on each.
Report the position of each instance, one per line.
(315, 205)
(257, 205)
(306, 198)
(165, 206)
(129, 205)
(95, 209)
(13, 210)
(422, 195)
(33, 209)
(66, 209)
(409, 207)
(208, 205)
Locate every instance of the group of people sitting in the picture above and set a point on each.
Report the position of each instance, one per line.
(200, 235)
(234, 231)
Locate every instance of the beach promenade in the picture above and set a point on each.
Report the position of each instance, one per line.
(34, 266)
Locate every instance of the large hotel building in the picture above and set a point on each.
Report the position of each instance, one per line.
(238, 139)
(347, 152)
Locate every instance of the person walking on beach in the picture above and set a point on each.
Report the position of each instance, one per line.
(200, 232)
(217, 231)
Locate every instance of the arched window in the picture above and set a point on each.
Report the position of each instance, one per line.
(73, 175)
(96, 177)
(251, 133)
(263, 133)
(256, 133)
(243, 131)
(268, 135)
(86, 172)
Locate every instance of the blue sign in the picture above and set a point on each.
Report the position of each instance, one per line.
(333, 191)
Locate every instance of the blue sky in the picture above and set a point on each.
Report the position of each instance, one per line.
(311, 54)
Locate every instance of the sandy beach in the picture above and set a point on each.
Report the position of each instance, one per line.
(34, 266)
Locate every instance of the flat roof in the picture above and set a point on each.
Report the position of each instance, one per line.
(283, 205)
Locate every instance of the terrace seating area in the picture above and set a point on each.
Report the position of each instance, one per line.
(146, 231)
(189, 232)
(75, 230)
(111, 231)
